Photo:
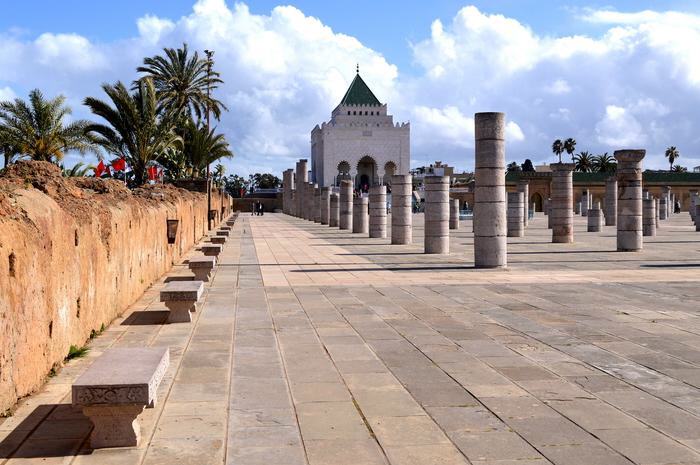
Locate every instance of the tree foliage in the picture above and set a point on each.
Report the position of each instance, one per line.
(135, 128)
(37, 129)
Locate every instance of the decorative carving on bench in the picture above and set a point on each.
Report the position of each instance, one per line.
(114, 391)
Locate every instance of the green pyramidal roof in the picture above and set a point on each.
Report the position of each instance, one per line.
(359, 94)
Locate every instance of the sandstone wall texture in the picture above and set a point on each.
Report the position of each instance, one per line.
(74, 254)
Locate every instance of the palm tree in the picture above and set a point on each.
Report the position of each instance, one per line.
(558, 148)
(78, 170)
(218, 174)
(36, 129)
(570, 147)
(604, 163)
(584, 162)
(9, 152)
(672, 154)
(679, 169)
(135, 129)
(513, 167)
(202, 148)
(183, 83)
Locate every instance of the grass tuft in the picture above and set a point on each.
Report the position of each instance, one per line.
(76, 352)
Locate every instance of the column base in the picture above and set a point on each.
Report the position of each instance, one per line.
(114, 425)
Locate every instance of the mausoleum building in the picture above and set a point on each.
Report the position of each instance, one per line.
(361, 142)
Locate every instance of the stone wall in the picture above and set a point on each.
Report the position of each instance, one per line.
(74, 254)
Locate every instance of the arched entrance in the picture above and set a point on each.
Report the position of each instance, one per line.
(366, 173)
(536, 198)
(389, 171)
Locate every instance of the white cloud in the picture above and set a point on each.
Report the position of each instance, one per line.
(513, 132)
(6, 94)
(634, 84)
(620, 128)
(558, 87)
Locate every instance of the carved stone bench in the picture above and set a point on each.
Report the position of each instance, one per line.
(181, 298)
(217, 239)
(115, 389)
(202, 267)
(211, 250)
(225, 228)
(223, 232)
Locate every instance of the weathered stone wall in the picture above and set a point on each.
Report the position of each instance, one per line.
(74, 254)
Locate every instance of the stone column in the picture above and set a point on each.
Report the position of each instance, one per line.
(317, 204)
(665, 202)
(286, 189)
(649, 217)
(309, 200)
(672, 210)
(454, 213)
(490, 228)
(334, 215)
(562, 198)
(692, 203)
(377, 211)
(629, 203)
(611, 201)
(345, 205)
(360, 215)
(302, 178)
(663, 207)
(697, 219)
(401, 209)
(595, 218)
(325, 204)
(524, 187)
(437, 215)
(516, 225)
(549, 213)
(577, 207)
(657, 208)
(584, 203)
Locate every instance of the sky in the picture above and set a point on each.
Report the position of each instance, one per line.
(611, 74)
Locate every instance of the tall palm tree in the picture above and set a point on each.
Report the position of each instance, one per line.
(218, 174)
(672, 153)
(604, 163)
(37, 129)
(558, 148)
(9, 151)
(134, 129)
(583, 162)
(570, 147)
(183, 83)
(202, 148)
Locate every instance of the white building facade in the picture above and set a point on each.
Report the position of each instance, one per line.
(360, 142)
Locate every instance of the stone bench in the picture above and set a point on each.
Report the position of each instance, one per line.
(222, 232)
(181, 298)
(114, 391)
(211, 250)
(218, 239)
(202, 267)
(225, 228)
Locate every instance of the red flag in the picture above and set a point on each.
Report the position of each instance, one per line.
(152, 173)
(119, 164)
(100, 169)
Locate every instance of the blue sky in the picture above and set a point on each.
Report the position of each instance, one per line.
(609, 73)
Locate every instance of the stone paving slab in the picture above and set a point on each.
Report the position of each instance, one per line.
(317, 346)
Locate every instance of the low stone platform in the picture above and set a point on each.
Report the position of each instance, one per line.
(323, 347)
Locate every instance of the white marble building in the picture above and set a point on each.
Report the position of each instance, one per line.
(360, 142)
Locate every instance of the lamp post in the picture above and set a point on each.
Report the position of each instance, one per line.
(209, 54)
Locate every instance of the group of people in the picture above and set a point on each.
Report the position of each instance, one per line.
(257, 208)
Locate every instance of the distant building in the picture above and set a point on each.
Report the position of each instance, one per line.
(696, 169)
(360, 142)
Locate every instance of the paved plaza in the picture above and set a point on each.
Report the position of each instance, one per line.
(318, 346)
